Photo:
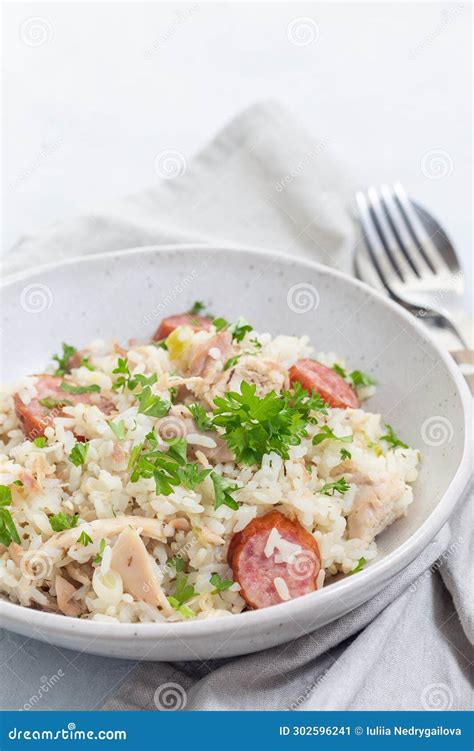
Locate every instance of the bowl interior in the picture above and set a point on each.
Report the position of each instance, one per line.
(125, 295)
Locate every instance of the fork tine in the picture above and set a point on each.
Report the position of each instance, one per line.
(421, 241)
(373, 242)
(398, 224)
(390, 242)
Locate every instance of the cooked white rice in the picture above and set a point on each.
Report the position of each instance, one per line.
(101, 489)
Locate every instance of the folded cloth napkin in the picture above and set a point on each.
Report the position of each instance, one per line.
(263, 181)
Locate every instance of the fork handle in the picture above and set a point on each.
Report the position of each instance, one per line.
(465, 360)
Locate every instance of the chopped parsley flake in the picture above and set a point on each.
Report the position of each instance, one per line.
(79, 453)
(152, 405)
(222, 492)
(327, 434)
(50, 403)
(118, 429)
(168, 468)
(341, 486)
(86, 364)
(84, 539)
(220, 585)
(129, 381)
(94, 388)
(357, 377)
(360, 565)
(197, 308)
(176, 562)
(98, 557)
(220, 324)
(201, 417)
(345, 454)
(62, 521)
(183, 593)
(392, 439)
(232, 361)
(239, 330)
(41, 441)
(8, 531)
(64, 360)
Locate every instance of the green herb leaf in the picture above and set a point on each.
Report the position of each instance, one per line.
(341, 486)
(359, 378)
(339, 370)
(392, 439)
(152, 405)
(86, 364)
(222, 492)
(64, 359)
(62, 521)
(220, 324)
(220, 584)
(232, 361)
(182, 594)
(201, 417)
(79, 453)
(41, 441)
(345, 454)
(50, 403)
(8, 531)
(197, 308)
(98, 558)
(327, 434)
(239, 330)
(118, 429)
(360, 565)
(84, 539)
(190, 476)
(94, 388)
(177, 562)
(17, 482)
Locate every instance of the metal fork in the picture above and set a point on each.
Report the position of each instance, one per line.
(422, 275)
(415, 262)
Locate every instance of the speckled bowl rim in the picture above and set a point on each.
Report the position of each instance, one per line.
(365, 581)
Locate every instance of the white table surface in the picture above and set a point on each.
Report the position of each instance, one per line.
(111, 85)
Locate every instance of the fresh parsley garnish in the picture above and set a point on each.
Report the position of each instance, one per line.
(94, 388)
(8, 531)
(84, 363)
(197, 308)
(254, 426)
(340, 486)
(190, 475)
(168, 468)
(201, 417)
(220, 585)
(41, 441)
(152, 405)
(220, 324)
(64, 360)
(391, 438)
(239, 330)
(375, 447)
(118, 429)
(357, 377)
(18, 483)
(129, 381)
(232, 361)
(345, 454)
(177, 562)
(360, 565)
(62, 521)
(50, 403)
(84, 539)
(79, 453)
(183, 593)
(222, 492)
(327, 434)
(98, 558)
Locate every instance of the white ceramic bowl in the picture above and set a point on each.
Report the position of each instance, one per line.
(125, 294)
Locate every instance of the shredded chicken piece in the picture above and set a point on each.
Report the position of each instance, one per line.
(182, 524)
(65, 592)
(131, 560)
(15, 551)
(78, 573)
(207, 535)
(267, 375)
(106, 528)
(203, 364)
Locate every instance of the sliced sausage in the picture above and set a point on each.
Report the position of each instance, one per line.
(256, 571)
(171, 323)
(314, 376)
(48, 404)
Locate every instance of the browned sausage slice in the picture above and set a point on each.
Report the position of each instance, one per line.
(314, 376)
(256, 571)
(49, 402)
(171, 323)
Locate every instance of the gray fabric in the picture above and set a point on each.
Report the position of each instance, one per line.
(264, 182)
